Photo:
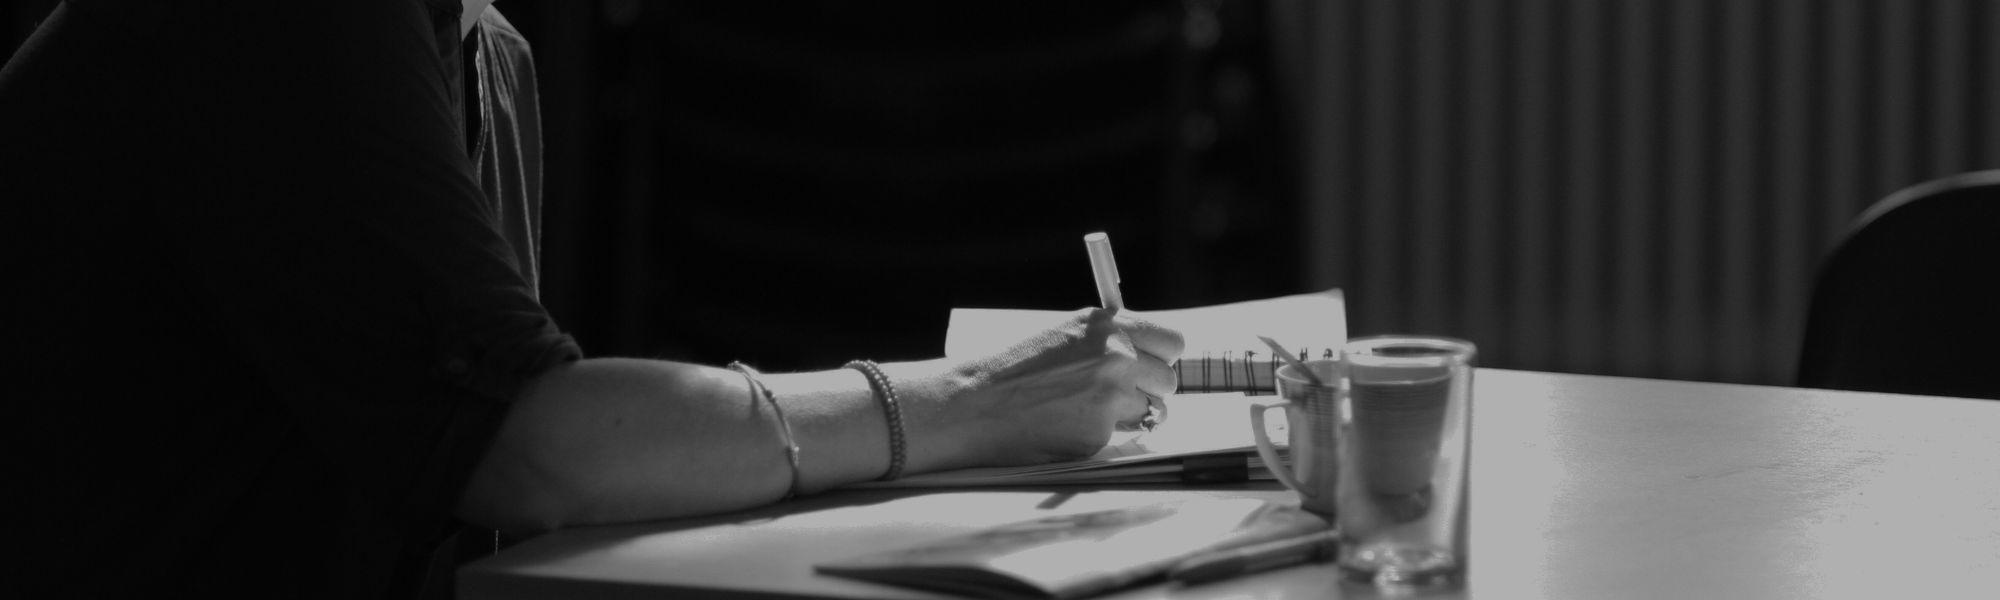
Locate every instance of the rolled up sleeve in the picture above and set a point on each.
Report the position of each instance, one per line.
(344, 241)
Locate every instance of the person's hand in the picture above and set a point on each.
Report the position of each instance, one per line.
(1054, 396)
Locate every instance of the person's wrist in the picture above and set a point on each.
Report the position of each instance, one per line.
(938, 434)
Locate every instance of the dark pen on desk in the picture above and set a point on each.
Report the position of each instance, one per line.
(1223, 564)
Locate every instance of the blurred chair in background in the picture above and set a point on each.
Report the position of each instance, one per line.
(1903, 304)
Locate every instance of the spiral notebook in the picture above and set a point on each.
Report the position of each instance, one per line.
(1223, 353)
(1207, 437)
(1247, 371)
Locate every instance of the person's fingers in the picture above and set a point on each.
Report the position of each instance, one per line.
(1151, 338)
(1154, 376)
(1132, 408)
(1144, 413)
(1139, 404)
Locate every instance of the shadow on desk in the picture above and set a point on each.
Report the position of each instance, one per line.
(1051, 498)
(771, 551)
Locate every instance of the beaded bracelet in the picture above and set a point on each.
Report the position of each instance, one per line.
(885, 392)
(784, 427)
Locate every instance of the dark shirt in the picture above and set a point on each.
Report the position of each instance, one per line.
(272, 272)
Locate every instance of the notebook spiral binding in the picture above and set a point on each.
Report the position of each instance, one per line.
(1250, 372)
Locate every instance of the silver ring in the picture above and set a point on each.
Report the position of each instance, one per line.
(1156, 411)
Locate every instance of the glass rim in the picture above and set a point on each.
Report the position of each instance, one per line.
(1430, 350)
(1289, 372)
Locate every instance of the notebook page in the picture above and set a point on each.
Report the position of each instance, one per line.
(1222, 352)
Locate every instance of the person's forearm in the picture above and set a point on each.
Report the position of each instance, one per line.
(611, 440)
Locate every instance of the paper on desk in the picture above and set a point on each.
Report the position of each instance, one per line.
(1077, 555)
(1223, 352)
(1198, 424)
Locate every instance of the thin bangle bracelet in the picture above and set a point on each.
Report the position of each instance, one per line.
(885, 392)
(784, 426)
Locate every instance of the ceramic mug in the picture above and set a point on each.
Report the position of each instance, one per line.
(1312, 414)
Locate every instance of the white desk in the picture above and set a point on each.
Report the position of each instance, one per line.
(1583, 487)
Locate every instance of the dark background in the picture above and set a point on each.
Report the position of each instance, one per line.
(799, 183)
(1635, 188)
(795, 184)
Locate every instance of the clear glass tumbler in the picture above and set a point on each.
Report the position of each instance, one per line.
(1402, 497)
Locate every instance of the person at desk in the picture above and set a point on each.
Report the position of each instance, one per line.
(274, 265)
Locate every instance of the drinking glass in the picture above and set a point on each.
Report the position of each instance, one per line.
(1401, 501)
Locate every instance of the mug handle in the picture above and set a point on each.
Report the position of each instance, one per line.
(1266, 451)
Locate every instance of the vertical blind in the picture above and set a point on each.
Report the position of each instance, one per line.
(1633, 188)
